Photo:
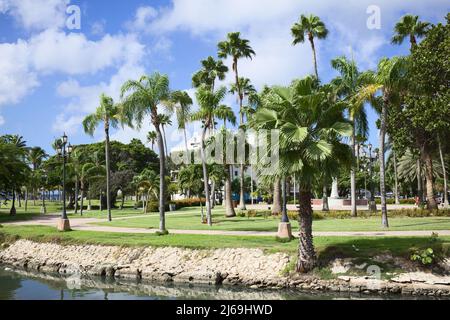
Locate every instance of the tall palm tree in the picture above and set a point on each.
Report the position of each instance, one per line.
(143, 98)
(410, 27)
(226, 114)
(245, 90)
(183, 103)
(164, 120)
(237, 48)
(349, 85)
(152, 137)
(390, 79)
(36, 156)
(211, 70)
(312, 27)
(310, 132)
(109, 114)
(209, 103)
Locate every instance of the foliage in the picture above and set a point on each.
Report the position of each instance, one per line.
(425, 257)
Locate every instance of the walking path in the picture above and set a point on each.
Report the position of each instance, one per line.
(85, 224)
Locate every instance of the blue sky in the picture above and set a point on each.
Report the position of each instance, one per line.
(51, 76)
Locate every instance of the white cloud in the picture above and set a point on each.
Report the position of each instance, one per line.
(36, 14)
(143, 17)
(16, 78)
(98, 28)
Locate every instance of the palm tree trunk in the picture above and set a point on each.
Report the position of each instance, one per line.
(13, 211)
(325, 206)
(205, 177)
(313, 47)
(188, 158)
(82, 198)
(76, 195)
(213, 194)
(397, 198)
(34, 197)
(441, 155)
(19, 198)
(353, 174)
(108, 171)
(162, 181)
(229, 207)
(419, 181)
(384, 217)
(89, 199)
(431, 201)
(306, 253)
(26, 200)
(165, 141)
(276, 206)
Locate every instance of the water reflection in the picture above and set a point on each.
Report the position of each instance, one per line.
(24, 285)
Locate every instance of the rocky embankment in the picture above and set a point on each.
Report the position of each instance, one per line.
(248, 267)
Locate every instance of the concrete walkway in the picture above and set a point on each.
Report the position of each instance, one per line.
(85, 224)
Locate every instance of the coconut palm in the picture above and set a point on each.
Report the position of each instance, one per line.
(151, 138)
(143, 98)
(149, 185)
(109, 114)
(182, 102)
(190, 181)
(349, 86)
(312, 27)
(390, 79)
(310, 131)
(211, 70)
(237, 48)
(410, 27)
(164, 120)
(209, 103)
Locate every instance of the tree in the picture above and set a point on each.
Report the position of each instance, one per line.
(424, 114)
(310, 131)
(36, 156)
(144, 98)
(237, 48)
(390, 78)
(312, 27)
(209, 103)
(152, 137)
(410, 27)
(349, 86)
(109, 114)
(190, 181)
(211, 70)
(183, 103)
(149, 185)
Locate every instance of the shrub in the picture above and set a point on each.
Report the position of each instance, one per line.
(425, 257)
(191, 202)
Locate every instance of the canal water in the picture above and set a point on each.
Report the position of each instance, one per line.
(24, 285)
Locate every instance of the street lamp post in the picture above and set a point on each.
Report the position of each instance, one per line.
(63, 223)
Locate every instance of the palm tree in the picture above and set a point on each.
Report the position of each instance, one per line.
(409, 26)
(312, 27)
(152, 137)
(349, 85)
(183, 103)
(226, 113)
(36, 156)
(149, 184)
(190, 181)
(144, 98)
(210, 71)
(164, 120)
(244, 90)
(209, 103)
(237, 48)
(390, 79)
(109, 114)
(310, 131)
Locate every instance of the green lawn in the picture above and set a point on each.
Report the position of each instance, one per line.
(326, 246)
(189, 218)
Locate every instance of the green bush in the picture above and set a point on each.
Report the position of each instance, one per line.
(191, 202)
(425, 257)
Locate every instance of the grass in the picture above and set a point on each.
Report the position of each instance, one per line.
(326, 246)
(189, 219)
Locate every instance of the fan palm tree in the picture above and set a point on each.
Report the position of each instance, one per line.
(183, 102)
(310, 131)
(36, 156)
(244, 90)
(237, 48)
(110, 115)
(209, 103)
(145, 97)
(410, 27)
(211, 70)
(312, 27)
(349, 86)
(151, 138)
